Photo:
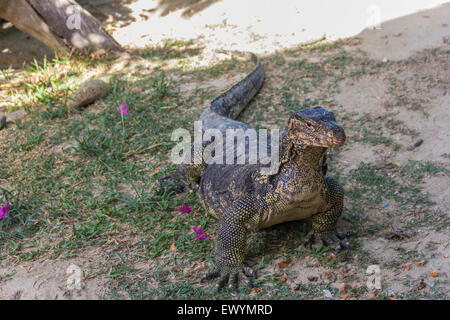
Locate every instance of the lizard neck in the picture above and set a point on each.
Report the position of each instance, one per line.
(307, 156)
(310, 156)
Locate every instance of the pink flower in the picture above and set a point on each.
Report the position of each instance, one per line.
(4, 210)
(49, 89)
(201, 235)
(122, 109)
(184, 208)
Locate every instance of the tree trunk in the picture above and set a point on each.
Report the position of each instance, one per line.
(62, 25)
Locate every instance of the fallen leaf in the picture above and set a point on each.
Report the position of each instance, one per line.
(255, 290)
(284, 264)
(157, 170)
(434, 274)
(357, 286)
(406, 266)
(345, 296)
(329, 276)
(283, 278)
(421, 263)
(344, 287)
(173, 247)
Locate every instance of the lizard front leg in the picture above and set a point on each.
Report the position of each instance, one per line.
(231, 243)
(188, 171)
(324, 223)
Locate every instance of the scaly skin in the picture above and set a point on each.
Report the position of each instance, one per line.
(244, 199)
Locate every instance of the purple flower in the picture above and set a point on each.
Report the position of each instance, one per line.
(184, 208)
(201, 235)
(138, 91)
(122, 109)
(4, 210)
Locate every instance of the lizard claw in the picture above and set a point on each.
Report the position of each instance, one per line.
(236, 274)
(329, 239)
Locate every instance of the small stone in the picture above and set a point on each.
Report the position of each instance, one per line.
(2, 121)
(415, 145)
(446, 39)
(328, 293)
(89, 92)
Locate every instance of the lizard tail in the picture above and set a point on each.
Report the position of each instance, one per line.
(231, 103)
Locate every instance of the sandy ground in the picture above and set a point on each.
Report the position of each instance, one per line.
(262, 27)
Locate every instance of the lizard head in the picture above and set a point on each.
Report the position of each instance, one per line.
(315, 127)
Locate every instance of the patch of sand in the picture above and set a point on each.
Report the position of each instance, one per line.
(48, 279)
(400, 38)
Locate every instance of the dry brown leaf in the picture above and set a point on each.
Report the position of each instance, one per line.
(434, 274)
(255, 290)
(283, 277)
(406, 266)
(421, 263)
(345, 296)
(284, 264)
(173, 247)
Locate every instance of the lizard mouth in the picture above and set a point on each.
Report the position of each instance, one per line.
(339, 139)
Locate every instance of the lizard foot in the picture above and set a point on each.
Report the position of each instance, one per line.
(170, 183)
(331, 238)
(232, 275)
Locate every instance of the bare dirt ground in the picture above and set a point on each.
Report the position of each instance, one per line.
(402, 38)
